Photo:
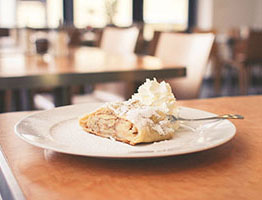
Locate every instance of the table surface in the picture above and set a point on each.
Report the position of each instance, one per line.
(230, 171)
(81, 65)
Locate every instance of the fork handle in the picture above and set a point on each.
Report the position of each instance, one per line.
(225, 116)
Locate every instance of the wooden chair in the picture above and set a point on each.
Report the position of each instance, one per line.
(247, 53)
(190, 50)
(114, 40)
(215, 59)
(119, 40)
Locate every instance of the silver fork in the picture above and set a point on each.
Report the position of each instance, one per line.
(225, 116)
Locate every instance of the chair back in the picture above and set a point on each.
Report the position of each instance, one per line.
(190, 50)
(254, 47)
(119, 40)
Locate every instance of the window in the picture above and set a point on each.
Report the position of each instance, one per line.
(89, 13)
(54, 13)
(7, 13)
(166, 12)
(95, 13)
(31, 14)
(123, 16)
(164, 15)
(38, 14)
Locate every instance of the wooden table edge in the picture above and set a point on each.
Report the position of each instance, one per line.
(80, 78)
(9, 187)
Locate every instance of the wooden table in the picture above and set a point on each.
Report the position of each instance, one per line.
(84, 65)
(230, 171)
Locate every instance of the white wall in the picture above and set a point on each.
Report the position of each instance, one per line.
(233, 13)
(258, 14)
(225, 14)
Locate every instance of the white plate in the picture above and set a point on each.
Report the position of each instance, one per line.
(58, 130)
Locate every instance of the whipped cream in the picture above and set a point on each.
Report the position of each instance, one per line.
(152, 93)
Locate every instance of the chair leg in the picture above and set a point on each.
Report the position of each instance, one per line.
(243, 79)
(218, 75)
(2, 101)
(16, 94)
(62, 96)
(30, 99)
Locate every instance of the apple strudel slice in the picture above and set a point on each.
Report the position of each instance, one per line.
(130, 123)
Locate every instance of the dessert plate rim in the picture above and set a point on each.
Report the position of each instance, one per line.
(45, 129)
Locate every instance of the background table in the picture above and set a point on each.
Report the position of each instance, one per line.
(81, 65)
(230, 171)
(84, 65)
